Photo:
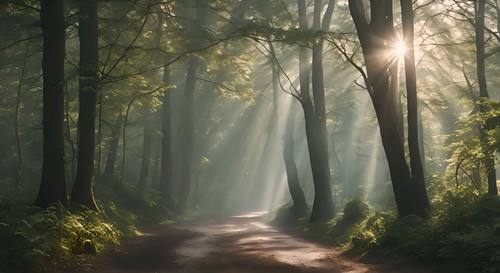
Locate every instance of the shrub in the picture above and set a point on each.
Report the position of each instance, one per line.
(42, 239)
(464, 226)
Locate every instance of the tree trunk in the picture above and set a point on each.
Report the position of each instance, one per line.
(315, 132)
(489, 160)
(83, 189)
(108, 174)
(417, 169)
(146, 149)
(166, 140)
(99, 135)
(383, 89)
(18, 181)
(53, 184)
(296, 192)
(186, 134)
(323, 193)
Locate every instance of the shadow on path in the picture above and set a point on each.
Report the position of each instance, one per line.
(239, 244)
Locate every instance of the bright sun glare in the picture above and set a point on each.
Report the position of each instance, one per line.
(399, 49)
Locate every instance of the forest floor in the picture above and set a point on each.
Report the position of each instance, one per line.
(239, 244)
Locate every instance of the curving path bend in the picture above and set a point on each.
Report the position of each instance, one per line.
(239, 244)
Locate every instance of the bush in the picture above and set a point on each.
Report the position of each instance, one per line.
(41, 239)
(368, 235)
(355, 211)
(463, 227)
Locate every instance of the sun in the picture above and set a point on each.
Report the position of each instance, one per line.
(399, 49)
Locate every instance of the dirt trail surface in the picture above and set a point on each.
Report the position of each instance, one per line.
(239, 244)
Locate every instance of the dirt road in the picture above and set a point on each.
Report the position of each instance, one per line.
(239, 244)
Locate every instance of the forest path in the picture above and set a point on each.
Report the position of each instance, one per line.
(239, 244)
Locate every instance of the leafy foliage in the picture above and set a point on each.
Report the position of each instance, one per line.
(37, 240)
(464, 227)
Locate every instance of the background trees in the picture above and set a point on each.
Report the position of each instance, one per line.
(191, 103)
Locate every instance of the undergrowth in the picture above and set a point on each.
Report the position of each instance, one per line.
(463, 227)
(35, 240)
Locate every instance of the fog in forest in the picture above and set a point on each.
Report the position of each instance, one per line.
(367, 125)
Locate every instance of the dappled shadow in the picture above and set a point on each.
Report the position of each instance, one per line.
(240, 244)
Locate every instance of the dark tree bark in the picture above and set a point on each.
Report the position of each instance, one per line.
(299, 201)
(109, 171)
(146, 149)
(67, 129)
(186, 134)
(19, 151)
(166, 140)
(323, 206)
(417, 169)
(382, 86)
(53, 184)
(489, 160)
(83, 189)
(315, 132)
(99, 134)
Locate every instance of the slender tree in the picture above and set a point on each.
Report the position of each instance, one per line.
(314, 115)
(296, 192)
(166, 139)
(186, 133)
(83, 189)
(107, 175)
(146, 147)
(323, 206)
(16, 119)
(417, 169)
(489, 160)
(53, 184)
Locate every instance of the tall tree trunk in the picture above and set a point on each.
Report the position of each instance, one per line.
(383, 89)
(99, 135)
(417, 169)
(166, 140)
(322, 209)
(18, 181)
(323, 206)
(186, 134)
(83, 189)
(146, 149)
(296, 192)
(67, 128)
(108, 173)
(489, 160)
(53, 184)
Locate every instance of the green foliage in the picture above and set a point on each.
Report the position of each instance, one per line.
(129, 206)
(284, 215)
(463, 227)
(368, 234)
(37, 240)
(467, 152)
(340, 228)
